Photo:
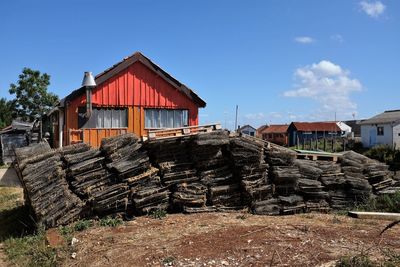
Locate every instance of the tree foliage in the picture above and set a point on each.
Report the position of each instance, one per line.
(31, 97)
(6, 112)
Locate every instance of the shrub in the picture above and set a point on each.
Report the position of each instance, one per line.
(83, 225)
(386, 154)
(110, 222)
(382, 153)
(383, 203)
(158, 214)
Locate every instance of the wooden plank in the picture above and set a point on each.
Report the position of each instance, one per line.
(190, 130)
(131, 119)
(374, 215)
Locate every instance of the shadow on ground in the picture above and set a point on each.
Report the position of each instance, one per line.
(15, 222)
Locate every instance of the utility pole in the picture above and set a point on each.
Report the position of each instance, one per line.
(236, 119)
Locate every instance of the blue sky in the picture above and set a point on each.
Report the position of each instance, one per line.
(279, 60)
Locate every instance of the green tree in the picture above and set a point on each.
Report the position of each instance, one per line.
(6, 112)
(31, 97)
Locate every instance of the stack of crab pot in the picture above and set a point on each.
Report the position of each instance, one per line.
(212, 161)
(45, 185)
(252, 170)
(139, 188)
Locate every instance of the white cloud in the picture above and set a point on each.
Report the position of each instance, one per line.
(328, 84)
(304, 40)
(373, 9)
(255, 116)
(337, 38)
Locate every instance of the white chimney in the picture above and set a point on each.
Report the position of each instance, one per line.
(89, 83)
(88, 79)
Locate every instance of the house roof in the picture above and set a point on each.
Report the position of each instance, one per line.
(355, 126)
(316, 126)
(128, 61)
(17, 126)
(277, 128)
(262, 128)
(245, 126)
(389, 116)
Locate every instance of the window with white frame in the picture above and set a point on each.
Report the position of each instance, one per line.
(166, 118)
(103, 118)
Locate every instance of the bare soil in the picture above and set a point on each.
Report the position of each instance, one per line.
(3, 257)
(233, 239)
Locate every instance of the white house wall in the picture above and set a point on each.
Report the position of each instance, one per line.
(369, 140)
(396, 136)
(248, 130)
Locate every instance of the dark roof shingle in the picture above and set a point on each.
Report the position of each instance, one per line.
(389, 116)
(277, 128)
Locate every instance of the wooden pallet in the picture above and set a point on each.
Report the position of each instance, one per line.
(183, 131)
(327, 157)
(316, 155)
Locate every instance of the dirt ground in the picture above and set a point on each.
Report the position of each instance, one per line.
(233, 239)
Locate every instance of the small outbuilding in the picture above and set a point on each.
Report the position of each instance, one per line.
(277, 134)
(300, 132)
(135, 95)
(260, 130)
(248, 130)
(382, 129)
(18, 134)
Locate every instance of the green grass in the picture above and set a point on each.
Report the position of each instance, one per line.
(10, 197)
(30, 250)
(390, 259)
(15, 220)
(355, 261)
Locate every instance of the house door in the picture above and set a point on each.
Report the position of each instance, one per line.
(372, 137)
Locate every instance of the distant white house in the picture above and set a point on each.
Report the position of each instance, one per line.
(247, 129)
(346, 129)
(381, 129)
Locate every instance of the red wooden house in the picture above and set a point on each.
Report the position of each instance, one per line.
(134, 95)
(276, 133)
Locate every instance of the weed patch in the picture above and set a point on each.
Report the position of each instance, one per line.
(110, 222)
(30, 250)
(158, 214)
(355, 261)
(83, 225)
(390, 259)
(383, 203)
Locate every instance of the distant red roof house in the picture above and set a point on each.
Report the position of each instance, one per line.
(316, 126)
(277, 134)
(302, 131)
(260, 130)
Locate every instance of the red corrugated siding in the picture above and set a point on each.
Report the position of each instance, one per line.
(139, 86)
